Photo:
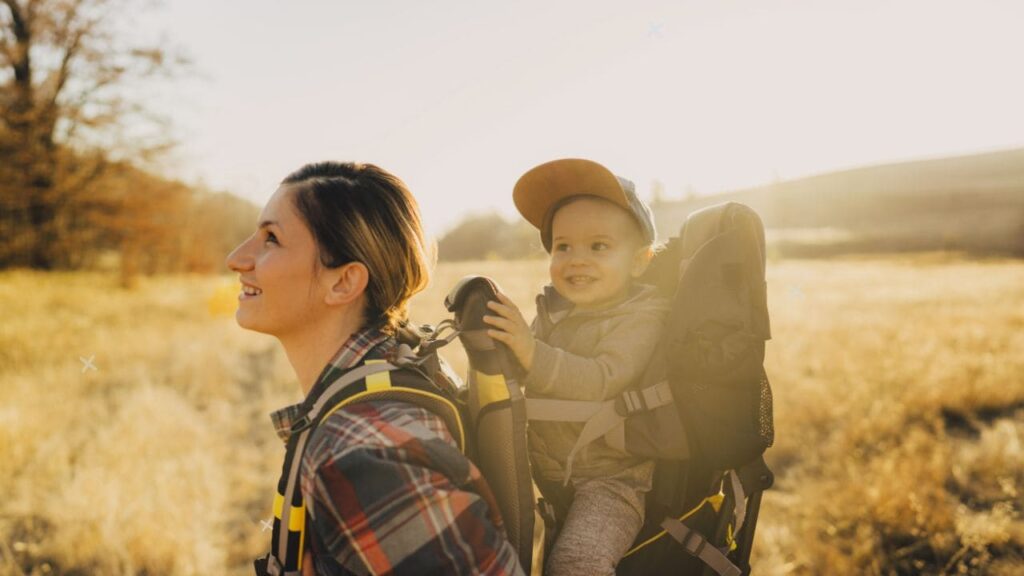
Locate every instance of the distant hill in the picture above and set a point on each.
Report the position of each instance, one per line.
(970, 203)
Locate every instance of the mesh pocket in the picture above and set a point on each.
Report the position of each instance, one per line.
(766, 426)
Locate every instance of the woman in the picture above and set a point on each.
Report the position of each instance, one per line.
(337, 255)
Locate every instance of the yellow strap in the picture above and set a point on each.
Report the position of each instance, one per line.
(302, 539)
(278, 505)
(370, 393)
(378, 381)
(490, 388)
(298, 517)
(716, 503)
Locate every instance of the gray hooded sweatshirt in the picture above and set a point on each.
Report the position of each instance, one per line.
(588, 355)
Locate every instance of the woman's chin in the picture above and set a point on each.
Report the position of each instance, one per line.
(246, 321)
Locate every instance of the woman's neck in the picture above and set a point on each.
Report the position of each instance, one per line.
(310, 350)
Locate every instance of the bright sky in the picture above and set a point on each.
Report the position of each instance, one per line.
(459, 98)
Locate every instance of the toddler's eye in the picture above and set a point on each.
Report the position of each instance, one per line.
(561, 247)
(599, 246)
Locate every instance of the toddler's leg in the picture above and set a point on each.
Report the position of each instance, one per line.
(604, 519)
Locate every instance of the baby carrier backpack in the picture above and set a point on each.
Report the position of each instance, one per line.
(703, 411)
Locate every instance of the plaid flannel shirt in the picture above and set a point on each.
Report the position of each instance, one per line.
(387, 490)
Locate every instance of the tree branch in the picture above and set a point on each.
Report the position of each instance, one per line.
(19, 53)
(6, 25)
(20, 22)
(71, 48)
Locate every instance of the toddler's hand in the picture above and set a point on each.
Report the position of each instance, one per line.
(512, 330)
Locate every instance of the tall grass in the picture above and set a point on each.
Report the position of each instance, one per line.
(899, 388)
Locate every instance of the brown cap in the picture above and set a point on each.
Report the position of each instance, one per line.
(546, 185)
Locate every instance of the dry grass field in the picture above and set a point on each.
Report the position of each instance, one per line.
(134, 436)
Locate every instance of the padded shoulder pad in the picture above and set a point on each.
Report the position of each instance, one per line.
(497, 415)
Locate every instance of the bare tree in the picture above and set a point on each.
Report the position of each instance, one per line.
(65, 113)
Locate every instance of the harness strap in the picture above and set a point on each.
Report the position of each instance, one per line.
(599, 417)
(629, 402)
(699, 546)
(599, 424)
(551, 410)
(354, 375)
(287, 508)
(647, 398)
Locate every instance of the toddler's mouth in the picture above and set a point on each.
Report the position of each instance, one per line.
(581, 280)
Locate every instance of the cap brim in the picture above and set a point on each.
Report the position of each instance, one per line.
(540, 188)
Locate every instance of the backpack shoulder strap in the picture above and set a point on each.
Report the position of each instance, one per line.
(402, 384)
(375, 379)
(287, 539)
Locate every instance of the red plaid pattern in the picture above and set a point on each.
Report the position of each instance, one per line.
(387, 490)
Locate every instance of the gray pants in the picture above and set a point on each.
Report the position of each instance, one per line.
(605, 516)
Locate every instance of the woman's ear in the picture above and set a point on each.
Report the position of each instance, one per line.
(349, 283)
(641, 258)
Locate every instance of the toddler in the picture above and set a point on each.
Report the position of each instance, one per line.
(594, 333)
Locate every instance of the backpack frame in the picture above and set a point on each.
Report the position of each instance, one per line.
(703, 411)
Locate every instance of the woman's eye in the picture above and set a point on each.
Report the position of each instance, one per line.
(271, 237)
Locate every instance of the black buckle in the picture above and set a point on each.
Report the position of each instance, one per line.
(300, 424)
(260, 565)
(547, 512)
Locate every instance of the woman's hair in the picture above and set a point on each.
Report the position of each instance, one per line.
(362, 213)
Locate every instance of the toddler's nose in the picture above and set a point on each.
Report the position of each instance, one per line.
(579, 260)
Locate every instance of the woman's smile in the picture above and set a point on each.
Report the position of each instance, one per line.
(248, 292)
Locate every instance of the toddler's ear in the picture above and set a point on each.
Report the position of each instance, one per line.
(641, 258)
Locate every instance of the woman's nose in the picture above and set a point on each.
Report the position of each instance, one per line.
(240, 259)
